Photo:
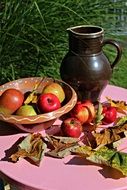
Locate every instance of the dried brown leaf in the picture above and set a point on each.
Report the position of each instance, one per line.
(121, 106)
(32, 97)
(62, 146)
(110, 135)
(32, 147)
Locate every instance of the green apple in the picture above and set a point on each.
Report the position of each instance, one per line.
(26, 110)
(56, 89)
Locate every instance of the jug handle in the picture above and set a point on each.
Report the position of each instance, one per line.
(118, 48)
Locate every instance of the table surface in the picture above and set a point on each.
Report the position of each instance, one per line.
(60, 174)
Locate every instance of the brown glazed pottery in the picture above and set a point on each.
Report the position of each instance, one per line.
(40, 121)
(85, 67)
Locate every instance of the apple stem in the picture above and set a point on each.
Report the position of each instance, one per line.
(72, 121)
(49, 101)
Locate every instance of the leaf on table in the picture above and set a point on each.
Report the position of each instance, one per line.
(121, 129)
(99, 114)
(121, 106)
(61, 146)
(106, 136)
(82, 151)
(110, 157)
(32, 147)
(110, 135)
(121, 120)
(104, 156)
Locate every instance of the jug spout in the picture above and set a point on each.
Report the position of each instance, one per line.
(89, 31)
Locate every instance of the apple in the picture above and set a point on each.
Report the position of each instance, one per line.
(71, 127)
(109, 113)
(48, 102)
(80, 112)
(91, 108)
(56, 89)
(10, 100)
(84, 111)
(26, 110)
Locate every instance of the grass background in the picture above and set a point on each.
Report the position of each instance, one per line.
(33, 37)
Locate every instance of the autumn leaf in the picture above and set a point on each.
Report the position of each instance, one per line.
(104, 156)
(111, 134)
(106, 136)
(121, 120)
(121, 106)
(32, 147)
(32, 97)
(82, 151)
(110, 157)
(61, 146)
(99, 114)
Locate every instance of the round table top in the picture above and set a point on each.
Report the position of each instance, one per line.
(60, 174)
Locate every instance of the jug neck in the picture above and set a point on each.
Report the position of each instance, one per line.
(85, 40)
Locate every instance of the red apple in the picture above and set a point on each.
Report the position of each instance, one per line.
(56, 89)
(71, 127)
(10, 100)
(80, 112)
(91, 108)
(48, 102)
(110, 114)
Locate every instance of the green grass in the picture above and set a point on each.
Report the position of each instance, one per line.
(33, 37)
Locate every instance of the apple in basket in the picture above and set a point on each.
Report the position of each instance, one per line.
(10, 100)
(26, 110)
(55, 89)
(51, 98)
(48, 102)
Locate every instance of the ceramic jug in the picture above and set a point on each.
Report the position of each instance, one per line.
(85, 67)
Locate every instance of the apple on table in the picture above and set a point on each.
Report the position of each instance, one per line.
(71, 127)
(84, 111)
(109, 114)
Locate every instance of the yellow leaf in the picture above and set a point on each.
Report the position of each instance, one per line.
(32, 97)
(121, 106)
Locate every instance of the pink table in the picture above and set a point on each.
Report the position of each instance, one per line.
(59, 174)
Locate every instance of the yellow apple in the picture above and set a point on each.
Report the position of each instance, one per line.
(55, 89)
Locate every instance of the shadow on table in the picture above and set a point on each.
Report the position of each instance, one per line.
(1, 184)
(106, 171)
(12, 150)
(8, 129)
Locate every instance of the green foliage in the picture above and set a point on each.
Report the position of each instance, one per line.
(33, 37)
